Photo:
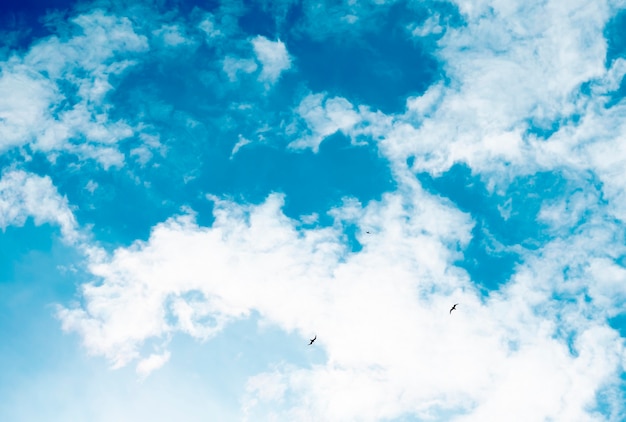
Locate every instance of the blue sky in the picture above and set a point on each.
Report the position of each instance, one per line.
(192, 190)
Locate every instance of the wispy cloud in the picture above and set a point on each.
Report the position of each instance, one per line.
(66, 81)
(232, 66)
(322, 116)
(25, 195)
(172, 35)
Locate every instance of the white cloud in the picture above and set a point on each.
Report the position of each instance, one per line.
(310, 218)
(273, 57)
(151, 363)
(431, 26)
(141, 154)
(24, 103)
(499, 359)
(594, 144)
(232, 66)
(274, 252)
(324, 117)
(381, 315)
(172, 35)
(24, 195)
(242, 142)
(210, 28)
(94, 47)
(512, 65)
(91, 186)
(39, 111)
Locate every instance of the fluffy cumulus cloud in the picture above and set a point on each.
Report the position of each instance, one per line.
(392, 347)
(318, 117)
(324, 117)
(514, 71)
(254, 258)
(273, 57)
(24, 104)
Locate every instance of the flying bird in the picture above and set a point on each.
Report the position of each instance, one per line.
(312, 340)
(453, 308)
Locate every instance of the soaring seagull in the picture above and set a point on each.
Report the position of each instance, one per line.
(453, 308)
(312, 340)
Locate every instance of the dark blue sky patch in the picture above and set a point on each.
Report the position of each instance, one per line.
(373, 70)
(185, 7)
(615, 37)
(350, 232)
(311, 182)
(484, 263)
(166, 93)
(159, 88)
(123, 208)
(619, 323)
(260, 18)
(120, 209)
(24, 20)
(373, 62)
(485, 257)
(527, 195)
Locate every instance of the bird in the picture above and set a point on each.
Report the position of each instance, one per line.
(312, 340)
(368, 232)
(453, 308)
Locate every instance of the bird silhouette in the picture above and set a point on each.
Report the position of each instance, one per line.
(312, 340)
(453, 308)
(368, 232)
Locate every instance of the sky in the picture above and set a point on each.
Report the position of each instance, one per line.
(190, 191)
